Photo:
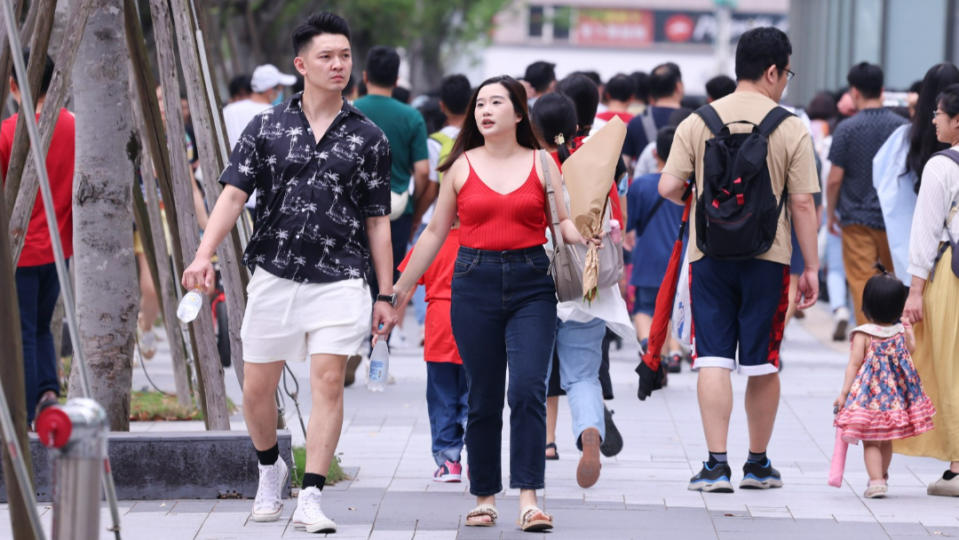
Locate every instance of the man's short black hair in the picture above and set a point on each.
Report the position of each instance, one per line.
(663, 80)
(540, 75)
(318, 23)
(240, 86)
(760, 48)
(402, 94)
(867, 78)
(455, 93)
(47, 73)
(382, 66)
(720, 86)
(641, 82)
(664, 141)
(582, 90)
(620, 87)
(593, 76)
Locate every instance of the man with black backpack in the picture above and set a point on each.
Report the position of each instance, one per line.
(750, 157)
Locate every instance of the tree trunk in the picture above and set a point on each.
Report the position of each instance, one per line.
(209, 369)
(106, 286)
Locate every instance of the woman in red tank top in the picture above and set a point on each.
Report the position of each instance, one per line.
(503, 307)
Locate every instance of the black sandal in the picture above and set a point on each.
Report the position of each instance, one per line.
(555, 455)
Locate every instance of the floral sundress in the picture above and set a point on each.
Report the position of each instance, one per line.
(886, 400)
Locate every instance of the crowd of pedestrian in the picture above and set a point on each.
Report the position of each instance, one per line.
(358, 194)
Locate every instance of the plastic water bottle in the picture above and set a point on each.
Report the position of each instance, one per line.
(379, 366)
(189, 306)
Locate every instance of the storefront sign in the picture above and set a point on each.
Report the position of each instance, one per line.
(645, 27)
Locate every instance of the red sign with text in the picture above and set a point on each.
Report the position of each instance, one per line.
(619, 28)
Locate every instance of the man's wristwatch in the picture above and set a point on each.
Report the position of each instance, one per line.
(391, 298)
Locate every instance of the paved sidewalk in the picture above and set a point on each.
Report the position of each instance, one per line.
(641, 492)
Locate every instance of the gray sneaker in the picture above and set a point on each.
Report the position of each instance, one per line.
(944, 488)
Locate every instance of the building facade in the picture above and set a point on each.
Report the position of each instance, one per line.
(622, 36)
(905, 37)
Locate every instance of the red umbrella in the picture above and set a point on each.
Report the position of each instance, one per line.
(651, 372)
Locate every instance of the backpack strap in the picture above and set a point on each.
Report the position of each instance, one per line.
(772, 120)
(949, 153)
(711, 117)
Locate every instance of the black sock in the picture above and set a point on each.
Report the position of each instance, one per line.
(313, 480)
(715, 458)
(755, 457)
(949, 475)
(269, 456)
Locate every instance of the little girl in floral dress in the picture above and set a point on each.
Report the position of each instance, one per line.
(882, 398)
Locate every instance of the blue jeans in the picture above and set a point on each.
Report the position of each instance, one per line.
(37, 293)
(836, 273)
(504, 317)
(579, 346)
(446, 402)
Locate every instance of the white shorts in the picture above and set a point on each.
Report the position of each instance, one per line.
(287, 320)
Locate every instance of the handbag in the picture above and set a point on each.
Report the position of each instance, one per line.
(569, 260)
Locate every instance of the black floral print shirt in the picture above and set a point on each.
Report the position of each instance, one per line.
(313, 198)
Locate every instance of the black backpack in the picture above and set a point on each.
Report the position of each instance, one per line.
(737, 214)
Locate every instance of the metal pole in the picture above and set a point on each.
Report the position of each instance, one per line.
(77, 431)
(19, 468)
(28, 115)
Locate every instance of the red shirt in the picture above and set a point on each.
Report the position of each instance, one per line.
(606, 116)
(37, 248)
(616, 210)
(438, 278)
(497, 222)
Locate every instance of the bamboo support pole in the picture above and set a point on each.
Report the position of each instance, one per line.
(39, 41)
(211, 163)
(56, 97)
(209, 369)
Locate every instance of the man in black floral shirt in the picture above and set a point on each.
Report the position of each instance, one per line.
(321, 226)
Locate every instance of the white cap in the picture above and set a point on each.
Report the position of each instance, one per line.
(267, 76)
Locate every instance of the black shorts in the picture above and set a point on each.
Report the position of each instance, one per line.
(738, 305)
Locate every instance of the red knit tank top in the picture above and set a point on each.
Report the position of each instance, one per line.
(496, 222)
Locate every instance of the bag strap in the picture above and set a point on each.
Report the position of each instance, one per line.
(953, 155)
(652, 212)
(558, 242)
(649, 124)
(772, 120)
(712, 119)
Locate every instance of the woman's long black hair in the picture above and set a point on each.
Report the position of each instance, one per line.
(922, 135)
(470, 136)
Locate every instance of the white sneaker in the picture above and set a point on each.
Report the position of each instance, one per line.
(148, 343)
(268, 505)
(309, 513)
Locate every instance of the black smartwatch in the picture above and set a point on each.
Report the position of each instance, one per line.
(391, 298)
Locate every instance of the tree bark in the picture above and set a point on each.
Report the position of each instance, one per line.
(106, 285)
(39, 40)
(231, 271)
(209, 369)
(11, 377)
(56, 97)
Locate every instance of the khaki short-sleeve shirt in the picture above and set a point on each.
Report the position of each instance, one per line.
(789, 157)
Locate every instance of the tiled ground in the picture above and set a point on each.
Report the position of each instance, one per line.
(641, 493)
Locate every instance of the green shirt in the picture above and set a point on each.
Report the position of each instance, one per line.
(405, 129)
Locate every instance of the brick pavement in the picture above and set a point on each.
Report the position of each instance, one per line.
(641, 493)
